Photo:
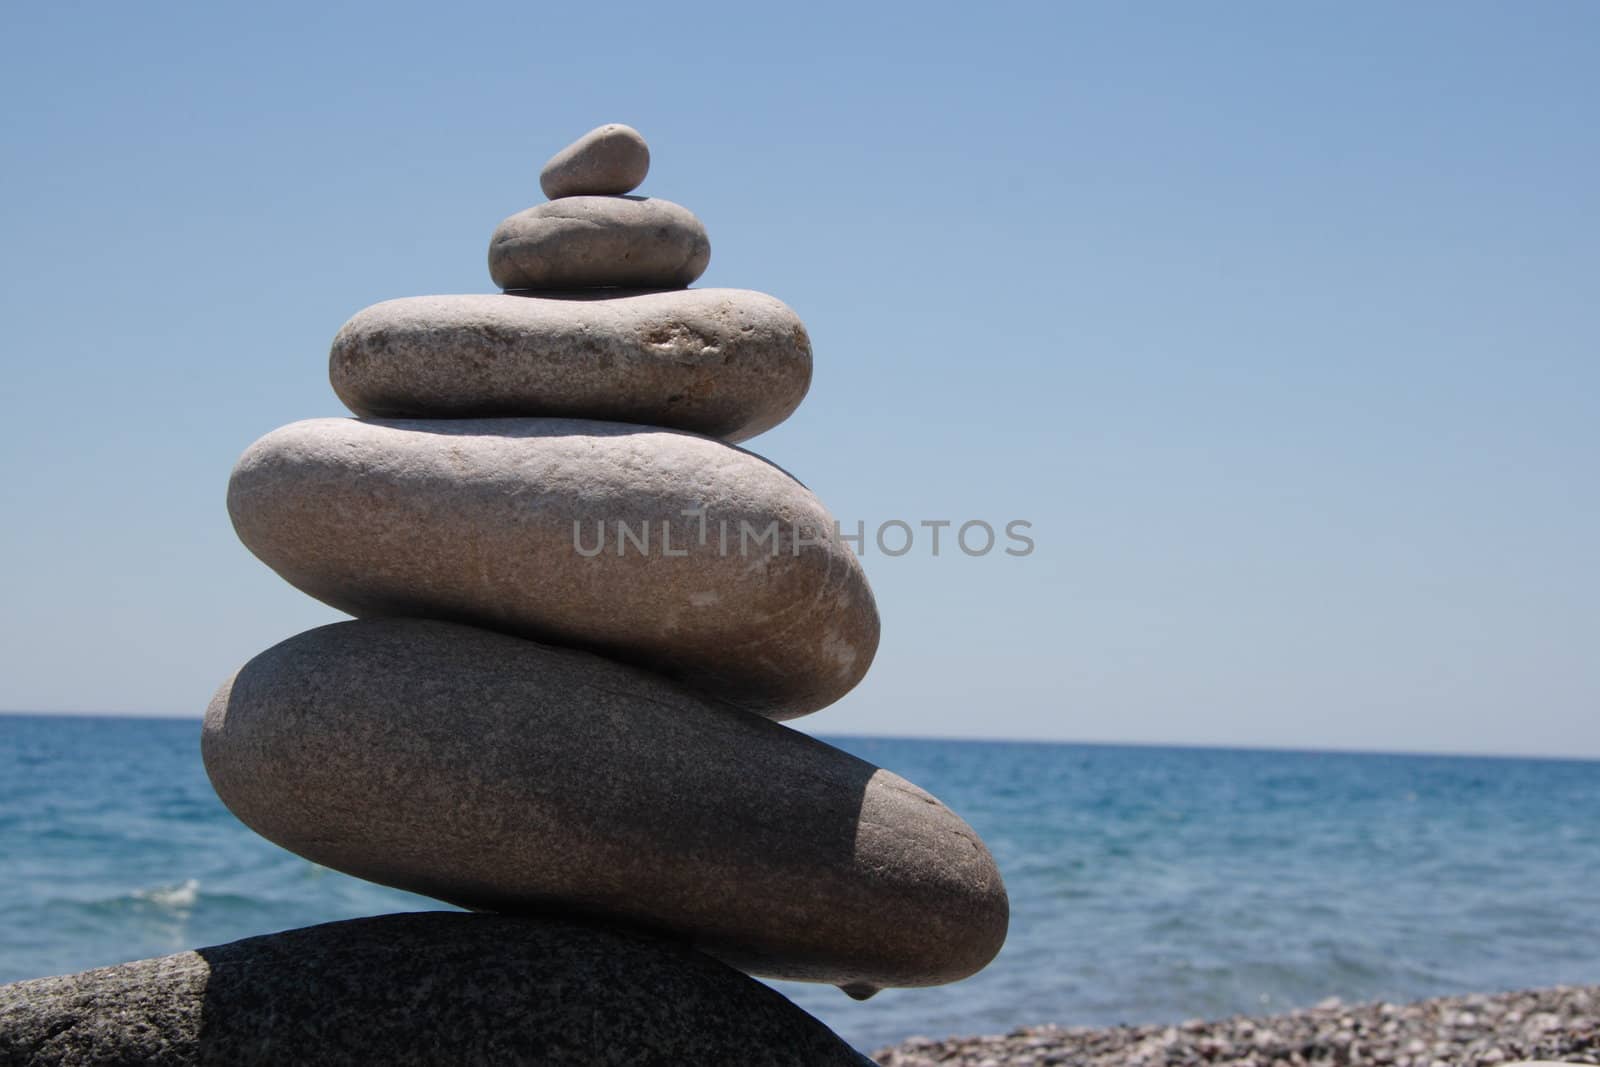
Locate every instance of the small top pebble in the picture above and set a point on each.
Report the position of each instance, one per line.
(607, 161)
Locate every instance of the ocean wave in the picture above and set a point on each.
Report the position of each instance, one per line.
(167, 903)
(180, 897)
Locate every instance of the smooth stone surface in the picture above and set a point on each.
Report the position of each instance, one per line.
(606, 161)
(430, 989)
(499, 774)
(727, 363)
(538, 527)
(581, 242)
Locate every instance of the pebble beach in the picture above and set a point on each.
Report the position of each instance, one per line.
(1560, 1024)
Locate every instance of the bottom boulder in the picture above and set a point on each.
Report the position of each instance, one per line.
(435, 988)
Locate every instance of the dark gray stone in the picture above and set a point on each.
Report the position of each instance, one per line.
(573, 532)
(431, 989)
(727, 363)
(606, 161)
(581, 242)
(503, 775)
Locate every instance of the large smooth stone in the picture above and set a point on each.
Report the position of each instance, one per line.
(487, 521)
(500, 774)
(606, 161)
(728, 363)
(430, 989)
(580, 242)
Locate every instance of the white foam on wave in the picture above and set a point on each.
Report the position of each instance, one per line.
(177, 897)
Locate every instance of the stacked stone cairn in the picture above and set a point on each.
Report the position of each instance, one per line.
(579, 610)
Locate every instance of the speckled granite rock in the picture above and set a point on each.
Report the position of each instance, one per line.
(606, 161)
(513, 524)
(421, 990)
(727, 363)
(579, 242)
(499, 774)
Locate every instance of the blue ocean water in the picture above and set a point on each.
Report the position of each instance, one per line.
(1147, 884)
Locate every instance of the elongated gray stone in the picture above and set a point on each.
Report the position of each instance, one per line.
(429, 989)
(606, 161)
(499, 774)
(662, 548)
(728, 363)
(582, 242)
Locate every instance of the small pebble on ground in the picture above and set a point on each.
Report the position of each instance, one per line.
(1560, 1024)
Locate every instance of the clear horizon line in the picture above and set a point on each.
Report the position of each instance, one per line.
(1216, 746)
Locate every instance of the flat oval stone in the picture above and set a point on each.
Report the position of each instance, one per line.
(584, 242)
(428, 989)
(727, 363)
(606, 161)
(503, 775)
(574, 532)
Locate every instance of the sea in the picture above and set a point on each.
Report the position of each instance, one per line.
(1147, 884)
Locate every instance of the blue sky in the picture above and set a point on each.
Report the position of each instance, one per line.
(1278, 322)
